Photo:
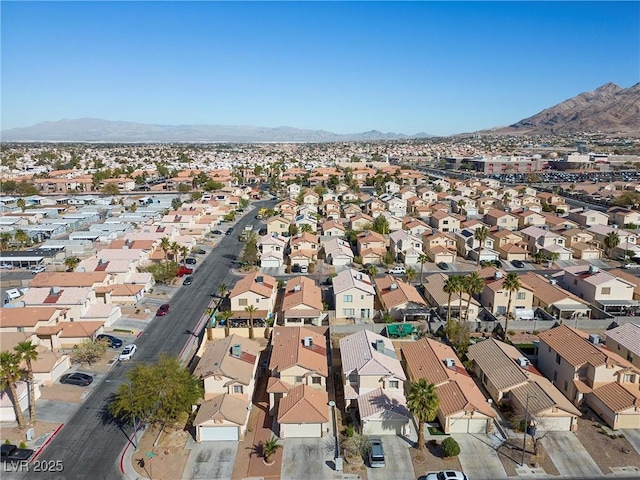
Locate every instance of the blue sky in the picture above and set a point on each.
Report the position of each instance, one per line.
(439, 68)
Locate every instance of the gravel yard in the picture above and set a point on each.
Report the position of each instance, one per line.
(510, 454)
(608, 453)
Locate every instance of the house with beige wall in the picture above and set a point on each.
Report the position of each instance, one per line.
(354, 294)
(496, 299)
(255, 289)
(302, 302)
(601, 288)
(623, 340)
(501, 219)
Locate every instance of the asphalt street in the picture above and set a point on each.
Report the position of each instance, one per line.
(90, 444)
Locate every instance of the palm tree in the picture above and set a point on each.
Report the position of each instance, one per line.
(9, 375)
(611, 241)
(184, 251)
(539, 256)
(175, 250)
(71, 263)
(422, 259)
(450, 287)
(473, 284)
(554, 257)
(506, 198)
(21, 204)
(371, 270)
(305, 227)
(226, 316)
(460, 290)
(481, 234)
(511, 284)
(423, 403)
(410, 274)
(165, 245)
(5, 238)
(269, 448)
(28, 352)
(222, 289)
(250, 309)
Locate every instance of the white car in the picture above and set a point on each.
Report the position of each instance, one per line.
(447, 475)
(7, 266)
(127, 353)
(398, 270)
(38, 269)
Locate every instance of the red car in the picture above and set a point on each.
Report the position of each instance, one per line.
(163, 310)
(184, 271)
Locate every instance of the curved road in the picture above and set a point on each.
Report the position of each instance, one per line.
(90, 445)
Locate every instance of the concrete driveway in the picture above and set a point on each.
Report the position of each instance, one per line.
(210, 460)
(478, 456)
(307, 458)
(397, 458)
(633, 435)
(569, 456)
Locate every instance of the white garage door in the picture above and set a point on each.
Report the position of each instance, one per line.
(386, 427)
(466, 425)
(554, 424)
(218, 433)
(270, 263)
(304, 430)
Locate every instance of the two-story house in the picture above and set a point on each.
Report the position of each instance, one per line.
(353, 294)
(278, 226)
(400, 299)
(608, 292)
(495, 298)
(405, 247)
(271, 250)
(501, 219)
(373, 380)
(303, 248)
(624, 341)
(256, 289)
(337, 251)
(302, 302)
(371, 246)
(541, 240)
(227, 368)
(439, 247)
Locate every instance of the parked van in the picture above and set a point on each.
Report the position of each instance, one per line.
(397, 270)
(11, 294)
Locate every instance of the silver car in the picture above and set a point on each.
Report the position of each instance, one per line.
(376, 453)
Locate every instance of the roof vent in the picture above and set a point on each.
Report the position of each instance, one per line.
(523, 362)
(307, 341)
(236, 350)
(450, 363)
(380, 345)
(55, 290)
(393, 286)
(593, 269)
(553, 281)
(296, 288)
(359, 276)
(259, 279)
(497, 275)
(595, 339)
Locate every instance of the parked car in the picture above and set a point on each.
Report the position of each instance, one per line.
(11, 454)
(295, 268)
(38, 269)
(447, 475)
(127, 353)
(6, 266)
(397, 270)
(518, 263)
(187, 281)
(229, 231)
(199, 251)
(376, 453)
(112, 341)
(191, 261)
(184, 271)
(304, 269)
(163, 310)
(77, 378)
(497, 263)
(442, 265)
(217, 232)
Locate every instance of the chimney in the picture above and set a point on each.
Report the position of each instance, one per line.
(450, 363)
(236, 350)
(307, 341)
(380, 345)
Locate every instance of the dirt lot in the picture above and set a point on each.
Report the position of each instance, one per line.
(606, 452)
(510, 454)
(15, 435)
(171, 456)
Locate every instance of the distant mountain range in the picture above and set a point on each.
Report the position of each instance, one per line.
(607, 109)
(96, 130)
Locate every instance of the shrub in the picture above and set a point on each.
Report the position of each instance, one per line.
(450, 447)
(349, 431)
(7, 442)
(22, 445)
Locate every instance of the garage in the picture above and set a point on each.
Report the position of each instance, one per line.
(386, 426)
(270, 262)
(467, 425)
(383, 413)
(207, 434)
(554, 424)
(300, 430)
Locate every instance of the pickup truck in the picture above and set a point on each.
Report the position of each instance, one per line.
(12, 454)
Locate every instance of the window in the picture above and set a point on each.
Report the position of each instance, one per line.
(348, 312)
(521, 296)
(575, 281)
(237, 389)
(316, 380)
(566, 385)
(555, 375)
(298, 379)
(558, 358)
(606, 290)
(353, 378)
(347, 298)
(361, 297)
(242, 302)
(394, 384)
(628, 378)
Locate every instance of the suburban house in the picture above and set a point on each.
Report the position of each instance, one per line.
(439, 247)
(496, 299)
(509, 378)
(438, 299)
(297, 385)
(255, 289)
(528, 218)
(272, 250)
(303, 248)
(373, 380)
(560, 303)
(588, 218)
(400, 299)
(624, 341)
(302, 302)
(406, 246)
(585, 370)
(501, 219)
(606, 291)
(337, 251)
(360, 221)
(228, 370)
(509, 245)
(354, 294)
(333, 228)
(371, 241)
(278, 226)
(462, 406)
(444, 222)
(624, 216)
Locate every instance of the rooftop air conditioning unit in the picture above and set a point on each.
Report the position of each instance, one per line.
(236, 350)
(259, 279)
(380, 345)
(497, 275)
(296, 288)
(593, 269)
(523, 362)
(393, 286)
(553, 281)
(595, 339)
(307, 341)
(450, 363)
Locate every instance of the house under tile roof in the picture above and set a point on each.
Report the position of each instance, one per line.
(304, 404)
(288, 349)
(232, 408)
(360, 354)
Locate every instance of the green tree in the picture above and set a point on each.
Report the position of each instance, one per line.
(611, 241)
(423, 403)
(473, 284)
(223, 289)
(511, 284)
(450, 447)
(481, 234)
(28, 352)
(371, 270)
(305, 227)
(250, 251)
(250, 309)
(184, 251)
(175, 251)
(21, 204)
(10, 373)
(5, 239)
(184, 188)
(71, 263)
(195, 196)
(269, 448)
(380, 225)
(410, 275)
(422, 259)
(163, 393)
(165, 246)
(451, 286)
(89, 351)
(226, 316)
(110, 189)
(21, 237)
(293, 230)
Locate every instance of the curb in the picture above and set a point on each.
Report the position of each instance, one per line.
(44, 445)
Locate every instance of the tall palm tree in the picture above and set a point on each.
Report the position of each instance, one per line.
(226, 316)
(554, 257)
(9, 375)
(175, 250)
(481, 234)
(184, 251)
(21, 204)
(165, 245)
(223, 289)
(28, 352)
(473, 284)
(71, 263)
(410, 274)
(611, 241)
(305, 227)
(422, 259)
(250, 309)
(511, 284)
(423, 403)
(460, 290)
(450, 287)
(5, 238)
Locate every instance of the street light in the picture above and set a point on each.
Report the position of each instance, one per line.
(338, 458)
(133, 415)
(524, 437)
